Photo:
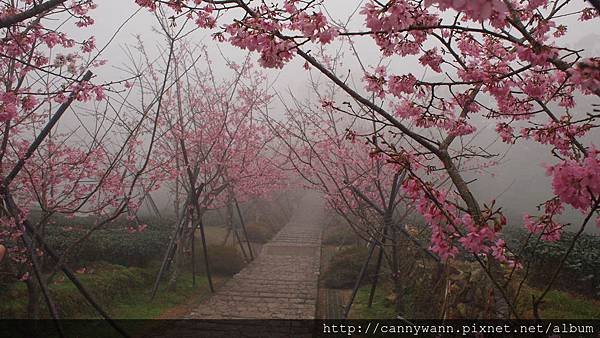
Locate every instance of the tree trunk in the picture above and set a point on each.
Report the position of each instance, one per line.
(33, 298)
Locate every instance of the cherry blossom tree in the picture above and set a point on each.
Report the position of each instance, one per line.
(220, 152)
(328, 150)
(500, 62)
(56, 168)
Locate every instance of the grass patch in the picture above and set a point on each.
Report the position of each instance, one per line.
(123, 292)
(560, 305)
(137, 304)
(382, 308)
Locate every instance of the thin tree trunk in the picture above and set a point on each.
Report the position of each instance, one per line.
(32, 299)
(171, 249)
(193, 254)
(377, 268)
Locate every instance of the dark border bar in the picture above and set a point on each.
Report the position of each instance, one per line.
(304, 328)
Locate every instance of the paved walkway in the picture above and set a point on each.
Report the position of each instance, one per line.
(282, 282)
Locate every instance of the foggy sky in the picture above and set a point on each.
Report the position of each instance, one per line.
(519, 182)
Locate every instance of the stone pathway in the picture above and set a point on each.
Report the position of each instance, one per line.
(282, 282)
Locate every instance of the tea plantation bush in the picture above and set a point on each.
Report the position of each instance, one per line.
(581, 272)
(108, 282)
(114, 244)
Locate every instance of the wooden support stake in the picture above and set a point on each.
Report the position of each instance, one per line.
(193, 254)
(38, 275)
(361, 275)
(244, 228)
(377, 269)
(170, 253)
(205, 251)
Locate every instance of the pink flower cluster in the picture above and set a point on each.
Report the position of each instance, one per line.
(577, 182)
(150, 4)
(506, 132)
(550, 230)
(545, 225)
(587, 75)
(443, 217)
(432, 59)
(375, 82)
(314, 26)
(257, 34)
(401, 84)
(389, 23)
(476, 239)
(8, 106)
(479, 10)
(558, 134)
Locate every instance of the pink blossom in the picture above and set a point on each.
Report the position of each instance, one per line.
(549, 230)
(375, 82)
(588, 14)
(587, 75)
(576, 182)
(314, 26)
(401, 84)
(8, 106)
(506, 132)
(390, 20)
(459, 127)
(476, 9)
(432, 59)
(29, 102)
(89, 45)
(407, 109)
(150, 4)
(499, 251)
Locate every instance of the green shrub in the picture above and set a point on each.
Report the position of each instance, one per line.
(108, 283)
(344, 268)
(340, 235)
(259, 233)
(223, 260)
(114, 245)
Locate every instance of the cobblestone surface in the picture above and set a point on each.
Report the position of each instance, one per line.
(281, 283)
